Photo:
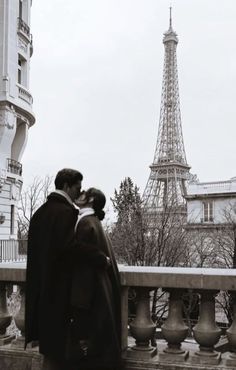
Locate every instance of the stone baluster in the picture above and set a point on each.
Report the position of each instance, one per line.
(5, 318)
(19, 342)
(206, 332)
(142, 328)
(174, 329)
(231, 335)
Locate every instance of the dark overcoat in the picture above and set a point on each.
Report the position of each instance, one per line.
(99, 301)
(52, 249)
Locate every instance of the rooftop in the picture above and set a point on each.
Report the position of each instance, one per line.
(216, 187)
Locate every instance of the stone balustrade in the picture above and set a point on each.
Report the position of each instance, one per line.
(173, 350)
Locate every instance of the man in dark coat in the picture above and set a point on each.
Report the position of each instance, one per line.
(52, 248)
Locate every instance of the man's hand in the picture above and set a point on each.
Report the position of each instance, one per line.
(108, 262)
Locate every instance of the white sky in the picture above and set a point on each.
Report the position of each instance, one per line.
(96, 78)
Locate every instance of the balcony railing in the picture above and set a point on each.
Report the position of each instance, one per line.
(173, 351)
(13, 250)
(14, 166)
(23, 27)
(31, 45)
(24, 94)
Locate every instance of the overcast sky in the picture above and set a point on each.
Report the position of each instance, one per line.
(96, 78)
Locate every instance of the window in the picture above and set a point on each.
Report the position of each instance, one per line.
(22, 71)
(19, 71)
(12, 221)
(208, 211)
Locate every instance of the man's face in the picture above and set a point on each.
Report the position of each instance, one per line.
(74, 190)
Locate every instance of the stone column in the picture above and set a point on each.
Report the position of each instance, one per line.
(174, 329)
(231, 335)
(5, 318)
(142, 328)
(206, 332)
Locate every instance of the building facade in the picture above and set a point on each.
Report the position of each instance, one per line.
(210, 204)
(211, 223)
(16, 116)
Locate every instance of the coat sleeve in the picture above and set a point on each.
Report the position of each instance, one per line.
(87, 239)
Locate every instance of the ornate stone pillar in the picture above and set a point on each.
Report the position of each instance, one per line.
(5, 318)
(206, 332)
(19, 342)
(231, 335)
(174, 329)
(142, 328)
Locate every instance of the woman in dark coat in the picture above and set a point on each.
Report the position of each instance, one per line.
(95, 293)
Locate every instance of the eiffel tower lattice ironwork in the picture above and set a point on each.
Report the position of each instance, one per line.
(169, 170)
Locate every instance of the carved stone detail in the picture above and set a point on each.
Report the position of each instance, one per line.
(3, 177)
(7, 118)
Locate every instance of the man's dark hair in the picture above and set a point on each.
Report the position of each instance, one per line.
(67, 176)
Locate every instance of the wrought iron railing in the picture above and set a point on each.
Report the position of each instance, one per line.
(14, 166)
(23, 27)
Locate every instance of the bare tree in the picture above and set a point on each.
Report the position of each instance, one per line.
(225, 237)
(30, 200)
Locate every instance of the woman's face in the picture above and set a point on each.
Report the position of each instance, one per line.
(82, 201)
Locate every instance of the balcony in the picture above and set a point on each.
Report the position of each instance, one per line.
(209, 350)
(14, 167)
(24, 94)
(13, 251)
(24, 29)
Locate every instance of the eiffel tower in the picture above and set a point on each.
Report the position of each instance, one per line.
(169, 170)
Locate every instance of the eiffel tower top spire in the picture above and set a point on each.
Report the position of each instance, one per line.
(170, 35)
(169, 169)
(170, 17)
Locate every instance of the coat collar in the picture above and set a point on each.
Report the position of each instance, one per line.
(64, 194)
(61, 195)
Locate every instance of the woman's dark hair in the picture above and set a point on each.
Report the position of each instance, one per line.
(67, 176)
(99, 201)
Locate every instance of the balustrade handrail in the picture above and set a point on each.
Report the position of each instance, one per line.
(178, 277)
(150, 276)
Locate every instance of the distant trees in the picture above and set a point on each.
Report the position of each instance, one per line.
(141, 239)
(225, 237)
(166, 237)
